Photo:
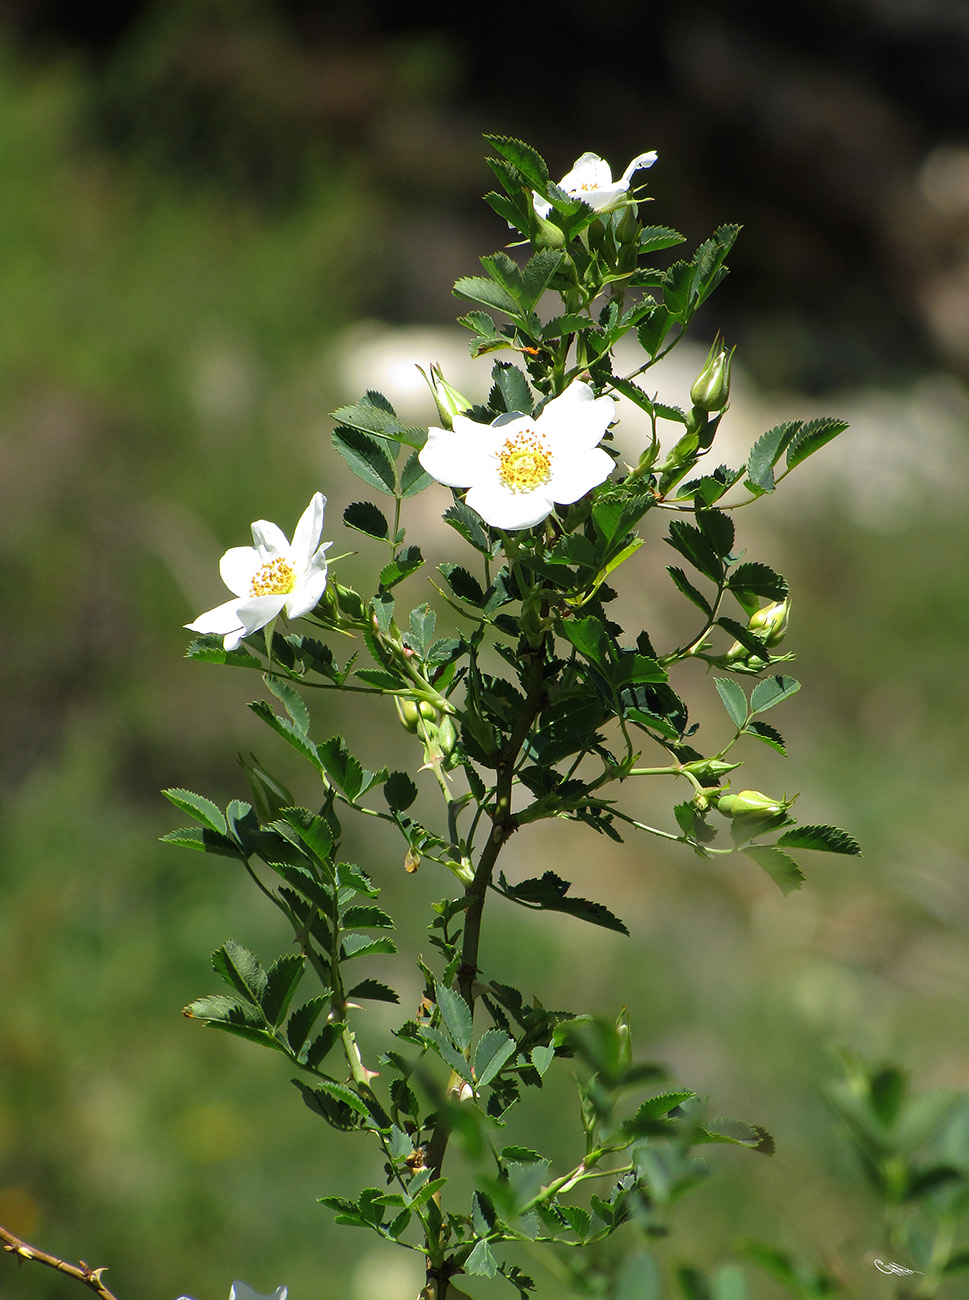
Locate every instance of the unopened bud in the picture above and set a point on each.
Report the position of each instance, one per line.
(751, 804)
(711, 389)
(411, 712)
(448, 400)
(770, 623)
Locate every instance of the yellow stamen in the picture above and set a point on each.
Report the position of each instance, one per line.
(275, 578)
(525, 461)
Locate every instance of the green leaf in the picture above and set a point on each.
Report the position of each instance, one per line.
(526, 160)
(812, 436)
(209, 649)
(494, 1049)
(414, 477)
(771, 691)
(548, 893)
(367, 458)
(442, 1044)
(340, 766)
(365, 916)
(292, 701)
(422, 621)
(374, 991)
(464, 586)
(780, 866)
(588, 635)
(456, 1015)
(768, 734)
(204, 840)
(302, 1021)
(362, 945)
(289, 733)
(241, 970)
(399, 791)
(752, 580)
(734, 700)
(512, 387)
(282, 980)
(683, 584)
(765, 454)
(481, 1262)
(718, 529)
(475, 288)
(536, 275)
(828, 839)
(401, 567)
(468, 523)
(312, 832)
(203, 810)
(696, 548)
(654, 238)
(738, 1132)
(366, 518)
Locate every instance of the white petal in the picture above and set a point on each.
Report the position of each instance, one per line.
(573, 476)
(641, 160)
(576, 420)
(308, 532)
(541, 206)
(218, 621)
(604, 198)
(459, 456)
(240, 1291)
(269, 539)
(238, 567)
(307, 594)
(590, 172)
(512, 510)
(256, 613)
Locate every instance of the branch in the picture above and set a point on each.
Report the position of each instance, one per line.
(91, 1277)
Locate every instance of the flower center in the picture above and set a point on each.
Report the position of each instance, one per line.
(525, 461)
(275, 578)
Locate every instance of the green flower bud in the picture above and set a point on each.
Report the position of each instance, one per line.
(702, 768)
(770, 623)
(269, 796)
(712, 386)
(410, 713)
(448, 400)
(752, 804)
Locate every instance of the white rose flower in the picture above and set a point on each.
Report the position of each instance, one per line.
(270, 577)
(519, 466)
(240, 1291)
(591, 180)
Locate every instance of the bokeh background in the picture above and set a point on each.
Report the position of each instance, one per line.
(220, 219)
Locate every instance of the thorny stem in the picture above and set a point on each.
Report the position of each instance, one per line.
(87, 1276)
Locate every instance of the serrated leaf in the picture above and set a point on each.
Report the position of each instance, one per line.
(683, 584)
(210, 649)
(827, 839)
(399, 791)
(464, 586)
(757, 580)
(366, 916)
(282, 980)
(481, 1262)
(771, 691)
(442, 1044)
(766, 452)
(812, 436)
(241, 970)
(768, 734)
(340, 766)
(402, 566)
(549, 893)
(780, 866)
(718, 529)
(512, 387)
(693, 546)
(203, 840)
(292, 702)
(286, 729)
(476, 288)
(588, 635)
(456, 1015)
(362, 945)
(523, 157)
(468, 523)
(494, 1049)
(203, 810)
(734, 700)
(374, 991)
(302, 1021)
(366, 518)
(367, 458)
(414, 477)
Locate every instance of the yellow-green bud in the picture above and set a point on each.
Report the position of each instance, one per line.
(711, 389)
(750, 803)
(448, 400)
(410, 713)
(770, 623)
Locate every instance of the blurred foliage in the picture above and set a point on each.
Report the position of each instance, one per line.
(171, 293)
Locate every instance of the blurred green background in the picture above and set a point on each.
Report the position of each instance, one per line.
(200, 204)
